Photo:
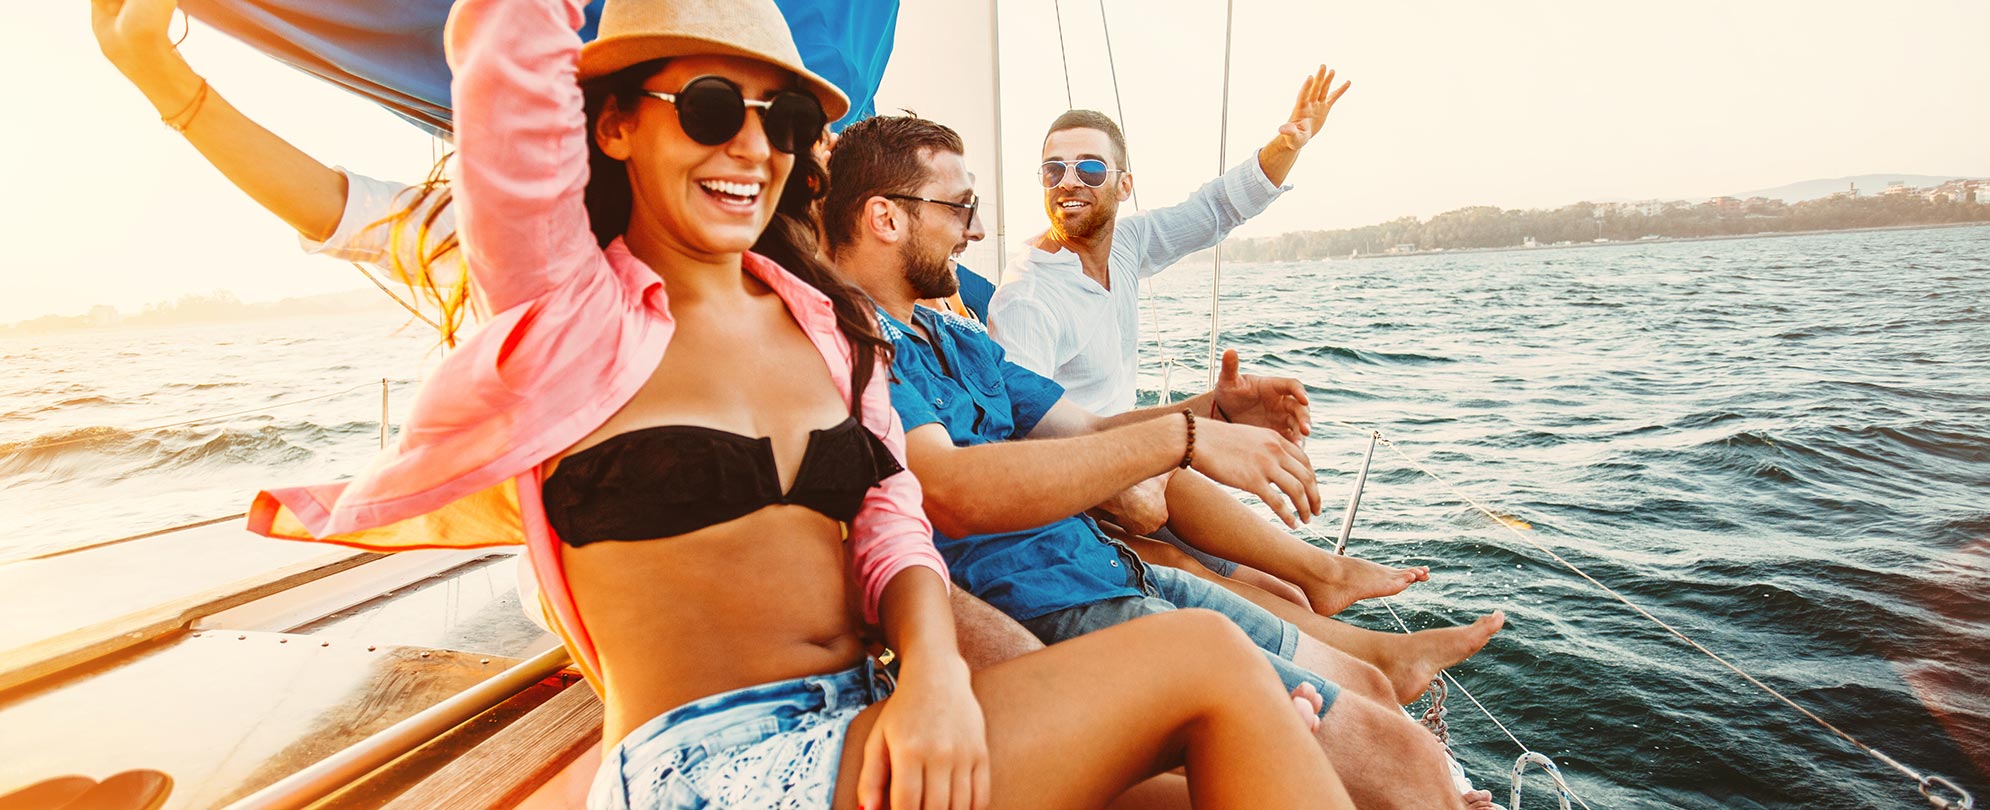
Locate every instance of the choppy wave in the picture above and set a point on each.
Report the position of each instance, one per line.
(95, 451)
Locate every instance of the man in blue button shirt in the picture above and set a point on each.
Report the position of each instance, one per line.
(900, 208)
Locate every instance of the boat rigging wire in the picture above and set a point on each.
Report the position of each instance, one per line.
(1437, 701)
(1057, 8)
(1146, 284)
(1926, 783)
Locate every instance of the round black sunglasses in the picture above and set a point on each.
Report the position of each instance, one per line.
(712, 110)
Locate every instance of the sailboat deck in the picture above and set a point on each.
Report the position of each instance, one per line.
(66, 608)
(224, 712)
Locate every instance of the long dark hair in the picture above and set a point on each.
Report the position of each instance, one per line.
(789, 239)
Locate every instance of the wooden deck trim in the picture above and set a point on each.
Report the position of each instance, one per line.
(513, 763)
(50, 656)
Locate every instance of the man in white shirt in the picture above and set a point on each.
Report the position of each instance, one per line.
(1069, 307)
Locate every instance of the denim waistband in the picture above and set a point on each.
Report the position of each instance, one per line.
(704, 718)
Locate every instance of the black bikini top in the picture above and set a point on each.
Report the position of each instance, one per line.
(675, 479)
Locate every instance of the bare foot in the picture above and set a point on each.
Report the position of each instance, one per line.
(1351, 579)
(1411, 663)
(1307, 702)
(1479, 800)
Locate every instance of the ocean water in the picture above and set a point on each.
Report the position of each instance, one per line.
(1779, 446)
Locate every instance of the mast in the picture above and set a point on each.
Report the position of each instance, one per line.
(1222, 163)
(995, 85)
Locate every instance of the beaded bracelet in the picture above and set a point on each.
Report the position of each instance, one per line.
(1188, 453)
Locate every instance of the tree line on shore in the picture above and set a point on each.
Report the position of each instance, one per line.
(1491, 227)
(219, 306)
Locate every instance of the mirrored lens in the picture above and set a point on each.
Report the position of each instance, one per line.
(793, 121)
(1053, 173)
(710, 110)
(1092, 172)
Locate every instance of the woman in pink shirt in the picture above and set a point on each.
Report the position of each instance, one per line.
(697, 446)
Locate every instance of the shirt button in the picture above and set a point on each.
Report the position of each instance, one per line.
(1115, 563)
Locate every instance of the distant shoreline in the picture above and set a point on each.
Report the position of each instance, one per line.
(1659, 241)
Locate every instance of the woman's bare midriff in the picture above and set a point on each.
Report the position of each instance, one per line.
(759, 599)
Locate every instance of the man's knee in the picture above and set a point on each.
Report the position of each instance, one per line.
(1402, 740)
(987, 636)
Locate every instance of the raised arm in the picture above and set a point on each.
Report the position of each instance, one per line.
(1162, 236)
(304, 193)
(1309, 114)
(520, 168)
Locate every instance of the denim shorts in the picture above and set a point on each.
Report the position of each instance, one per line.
(1212, 562)
(1170, 588)
(776, 746)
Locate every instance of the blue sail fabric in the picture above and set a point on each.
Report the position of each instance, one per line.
(390, 51)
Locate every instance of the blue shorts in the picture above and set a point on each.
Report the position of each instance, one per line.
(773, 746)
(1171, 588)
(1221, 566)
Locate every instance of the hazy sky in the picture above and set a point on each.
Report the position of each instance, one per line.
(1510, 104)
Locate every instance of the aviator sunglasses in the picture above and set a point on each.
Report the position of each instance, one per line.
(968, 209)
(1091, 171)
(712, 110)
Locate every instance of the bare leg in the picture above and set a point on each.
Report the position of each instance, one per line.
(1384, 758)
(1169, 791)
(1131, 700)
(1155, 552)
(1409, 661)
(1271, 585)
(988, 636)
(1206, 515)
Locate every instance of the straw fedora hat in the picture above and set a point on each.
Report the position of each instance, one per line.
(636, 31)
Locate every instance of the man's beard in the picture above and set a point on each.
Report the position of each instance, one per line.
(926, 269)
(1096, 218)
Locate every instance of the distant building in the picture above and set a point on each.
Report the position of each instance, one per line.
(1763, 206)
(1724, 204)
(1895, 189)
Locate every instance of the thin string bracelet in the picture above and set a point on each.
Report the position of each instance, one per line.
(179, 121)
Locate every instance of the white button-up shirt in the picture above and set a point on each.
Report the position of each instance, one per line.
(1054, 320)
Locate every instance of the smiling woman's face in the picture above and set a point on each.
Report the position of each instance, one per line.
(704, 200)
